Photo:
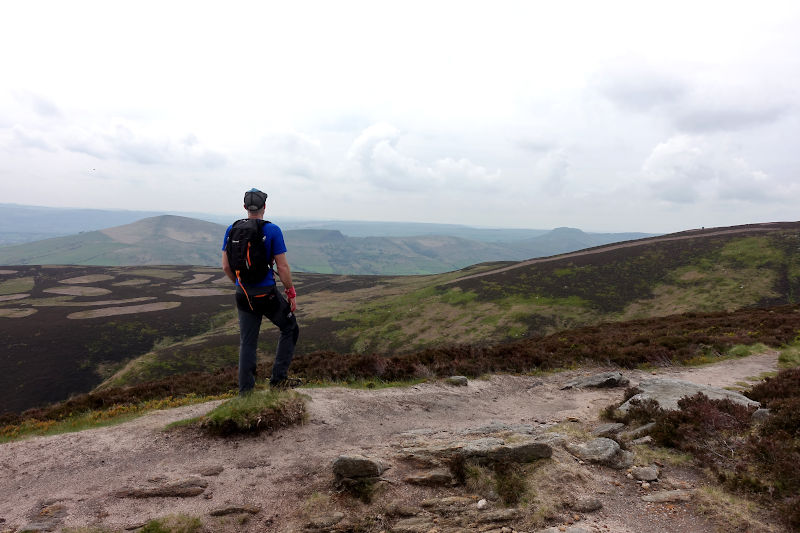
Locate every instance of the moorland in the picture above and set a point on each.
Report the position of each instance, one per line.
(70, 329)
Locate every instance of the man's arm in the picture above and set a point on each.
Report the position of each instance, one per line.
(282, 267)
(226, 267)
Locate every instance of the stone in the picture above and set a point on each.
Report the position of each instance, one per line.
(665, 496)
(604, 380)
(606, 430)
(501, 515)
(432, 478)
(211, 470)
(759, 415)
(357, 466)
(645, 485)
(458, 381)
(400, 509)
(637, 432)
(500, 427)
(325, 520)
(518, 449)
(185, 488)
(667, 392)
(645, 473)
(565, 529)
(586, 505)
(602, 451)
(483, 504)
(415, 524)
(446, 502)
(647, 439)
(236, 509)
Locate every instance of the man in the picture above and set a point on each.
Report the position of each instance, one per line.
(261, 298)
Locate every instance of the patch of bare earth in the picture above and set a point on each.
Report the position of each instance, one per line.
(93, 303)
(4, 272)
(198, 278)
(284, 475)
(11, 312)
(8, 297)
(200, 292)
(78, 291)
(128, 310)
(132, 282)
(91, 278)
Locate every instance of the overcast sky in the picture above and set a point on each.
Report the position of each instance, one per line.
(607, 116)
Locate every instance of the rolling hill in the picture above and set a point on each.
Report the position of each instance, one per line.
(176, 240)
(119, 325)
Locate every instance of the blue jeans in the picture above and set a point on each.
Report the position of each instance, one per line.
(268, 302)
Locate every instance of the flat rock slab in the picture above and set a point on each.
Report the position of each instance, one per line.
(458, 381)
(236, 509)
(432, 478)
(666, 496)
(518, 449)
(604, 380)
(415, 524)
(668, 391)
(606, 430)
(185, 488)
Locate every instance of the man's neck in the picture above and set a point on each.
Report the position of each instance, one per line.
(256, 216)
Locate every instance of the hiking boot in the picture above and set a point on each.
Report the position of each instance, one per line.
(284, 384)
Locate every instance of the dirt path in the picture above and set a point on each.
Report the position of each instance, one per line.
(75, 475)
(609, 247)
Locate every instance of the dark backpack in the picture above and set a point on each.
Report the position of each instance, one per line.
(247, 253)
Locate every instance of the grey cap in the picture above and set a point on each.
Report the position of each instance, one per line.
(254, 199)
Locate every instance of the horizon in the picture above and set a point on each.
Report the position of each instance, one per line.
(619, 116)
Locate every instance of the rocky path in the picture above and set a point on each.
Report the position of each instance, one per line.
(277, 482)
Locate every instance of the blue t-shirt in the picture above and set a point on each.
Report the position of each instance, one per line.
(273, 242)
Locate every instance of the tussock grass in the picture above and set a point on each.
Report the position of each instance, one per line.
(255, 412)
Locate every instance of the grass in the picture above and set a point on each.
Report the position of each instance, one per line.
(88, 419)
(790, 356)
(257, 411)
(733, 512)
(16, 285)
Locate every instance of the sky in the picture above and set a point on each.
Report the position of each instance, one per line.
(605, 116)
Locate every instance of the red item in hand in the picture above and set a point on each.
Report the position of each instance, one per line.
(291, 293)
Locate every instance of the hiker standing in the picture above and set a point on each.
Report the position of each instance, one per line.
(250, 247)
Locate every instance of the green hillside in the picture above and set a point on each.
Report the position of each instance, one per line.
(721, 270)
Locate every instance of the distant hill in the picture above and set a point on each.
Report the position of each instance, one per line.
(177, 240)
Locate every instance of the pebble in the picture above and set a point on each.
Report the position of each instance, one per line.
(483, 504)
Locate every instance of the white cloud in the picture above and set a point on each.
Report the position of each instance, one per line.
(376, 157)
(689, 169)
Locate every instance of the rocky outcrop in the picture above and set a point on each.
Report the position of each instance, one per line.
(514, 449)
(357, 470)
(604, 380)
(668, 391)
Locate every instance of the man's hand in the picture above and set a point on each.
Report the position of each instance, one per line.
(291, 295)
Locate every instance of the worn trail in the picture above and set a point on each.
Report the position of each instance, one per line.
(76, 476)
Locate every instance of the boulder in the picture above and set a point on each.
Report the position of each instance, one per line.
(667, 392)
(760, 415)
(458, 381)
(586, 504)
(604, 380)
(637, 432)
(645, 473)
(602, 451)
(357, 466)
